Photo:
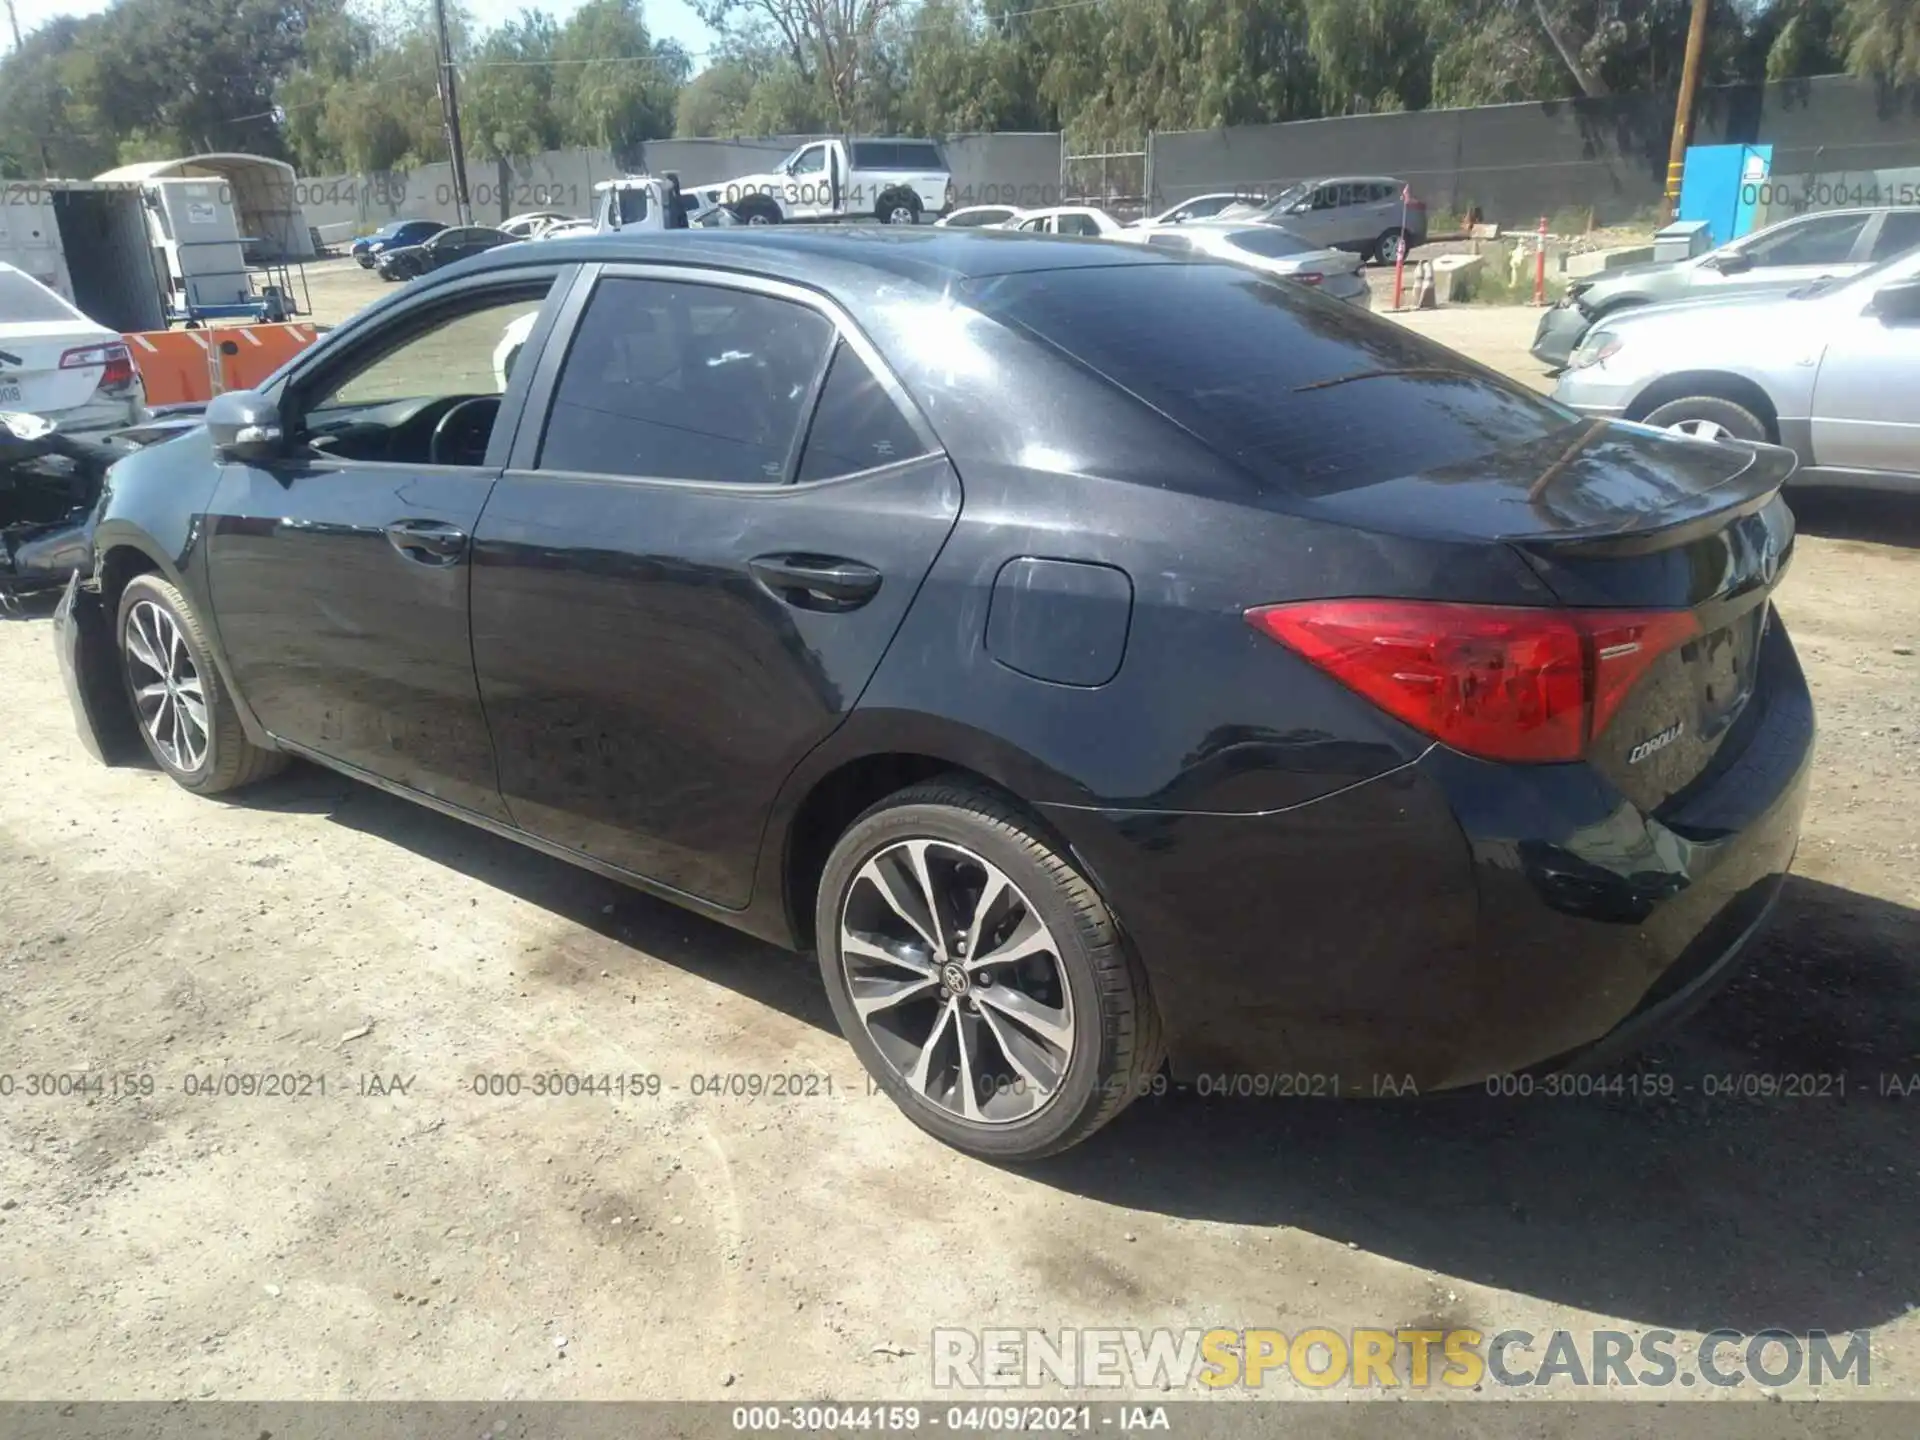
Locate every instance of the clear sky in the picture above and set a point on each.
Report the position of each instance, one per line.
(666, 19)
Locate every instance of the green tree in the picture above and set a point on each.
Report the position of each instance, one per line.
(1883, 39)
(613, 85)
(507, 89)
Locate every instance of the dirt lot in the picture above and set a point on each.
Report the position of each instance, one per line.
(401, 1235)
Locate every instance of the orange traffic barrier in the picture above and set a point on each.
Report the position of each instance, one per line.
(184, 367)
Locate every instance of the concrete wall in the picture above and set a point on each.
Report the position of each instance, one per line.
(1515, 162)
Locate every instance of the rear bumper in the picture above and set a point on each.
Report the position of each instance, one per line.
(1452, 920)
(1558, 335)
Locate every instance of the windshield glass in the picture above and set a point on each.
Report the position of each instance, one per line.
(1291, 387)
(25, 300)
(1288, 196)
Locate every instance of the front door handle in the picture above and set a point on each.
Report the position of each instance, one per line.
(817, 582)
(428, 542)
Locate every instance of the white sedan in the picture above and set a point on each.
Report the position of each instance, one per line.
(56, 363)
(1065, 220)
(1281, 253)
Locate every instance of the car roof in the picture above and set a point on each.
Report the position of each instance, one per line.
(850, 262)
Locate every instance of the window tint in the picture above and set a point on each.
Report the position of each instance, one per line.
(912, 156)
(1825, 240)
(1076, 225)
(1292, 388)
(1899, 233)
(856, 426)
(873, 155)
(689, 382)
(1326, 197)
(633, 204)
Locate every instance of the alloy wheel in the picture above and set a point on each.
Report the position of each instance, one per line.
(900, 215)
(957, 981)
(166, 686)
(1700, 429)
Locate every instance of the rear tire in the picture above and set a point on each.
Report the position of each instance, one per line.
(1055, 1040)
(897, 207)
(1708, 417)
(185, 716)
(1386, 250)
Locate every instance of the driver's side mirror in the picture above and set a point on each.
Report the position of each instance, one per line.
(1733, 263)
(244, 425)
(1898, 302)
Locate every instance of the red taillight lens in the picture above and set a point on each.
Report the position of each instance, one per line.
(1308, 277)
(115, 363)
(1496, 681)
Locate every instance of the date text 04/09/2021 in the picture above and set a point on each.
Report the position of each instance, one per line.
(992, 1419)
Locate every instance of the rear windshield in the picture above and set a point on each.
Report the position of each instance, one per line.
(1270, 241)
(895, 155)
(1308, 394)
(23, 299)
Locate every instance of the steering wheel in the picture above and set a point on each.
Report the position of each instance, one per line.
(463, 432)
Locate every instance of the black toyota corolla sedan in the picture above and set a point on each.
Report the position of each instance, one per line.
(1103, 659)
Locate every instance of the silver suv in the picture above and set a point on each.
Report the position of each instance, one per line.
(1795, 252)
(1366, 213)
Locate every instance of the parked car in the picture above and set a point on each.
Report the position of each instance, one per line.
(1367, 213)
(532, 224)
(442, 248)
(1081, 220)
(1831, 372)
(58, 364)
(1376, 728)
(974, 216)
(560, 229)
(368, 248)
(1780, 257)
(896, 182)
(1200, 207)
(1334, 273)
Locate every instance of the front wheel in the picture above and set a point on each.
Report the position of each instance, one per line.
(980, 977)
(757, 210)
(1708, 417)
(186, 717)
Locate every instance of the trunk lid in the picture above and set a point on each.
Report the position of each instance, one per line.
(1615, 516)
(30, 375)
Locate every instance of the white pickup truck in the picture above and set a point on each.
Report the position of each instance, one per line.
(893, 181)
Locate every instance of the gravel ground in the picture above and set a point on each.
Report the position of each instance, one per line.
(401, 1235)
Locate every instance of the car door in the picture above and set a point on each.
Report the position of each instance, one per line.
(1319, 220)
(692, 568)
(339, 572)
(1795, 253)
(809, 190)
(1864, 413)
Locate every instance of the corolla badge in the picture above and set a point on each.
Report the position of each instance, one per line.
(1656, 742)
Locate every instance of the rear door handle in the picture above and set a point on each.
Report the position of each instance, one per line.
(428, 542)
(817, 582)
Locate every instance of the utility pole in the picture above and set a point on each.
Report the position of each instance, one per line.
(450, 108)
(1683, 114)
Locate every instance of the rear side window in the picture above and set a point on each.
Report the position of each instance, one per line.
(873, 155)
(1899, 233)
(25, 300)
(917, 156)
(856, 425)
(685, 382)
(1310, 397)
(1076, 225)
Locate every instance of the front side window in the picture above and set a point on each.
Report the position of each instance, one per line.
(685, 381)
(1824, 240)
(453, 357)
(811, 162)
(1899, 233)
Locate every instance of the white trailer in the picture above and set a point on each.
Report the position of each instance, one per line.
(88, 242)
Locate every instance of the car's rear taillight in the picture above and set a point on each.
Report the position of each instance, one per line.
(113, 360)
(1307, 277)
(1500, 682)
